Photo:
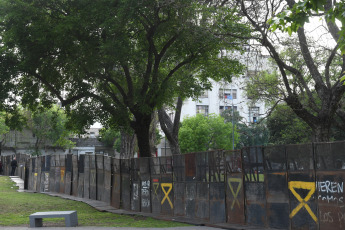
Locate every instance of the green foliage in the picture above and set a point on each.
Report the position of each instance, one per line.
(115, 61)
(48, 126)
(202, 133)
(286, 127)
(3, 127)
(293, 18)
(109, 137)
(249, 134)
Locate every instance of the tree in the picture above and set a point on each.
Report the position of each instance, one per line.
(249, 134)
(313, 90)
(48, 126)
(285, 127)
(201, 133)
(114, 61)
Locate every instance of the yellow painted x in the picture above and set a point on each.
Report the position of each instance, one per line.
(156, 186)
(302, 185)
(166, 197)
(62, 173)
(235, 194)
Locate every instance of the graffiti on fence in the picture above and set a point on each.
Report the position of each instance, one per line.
(166, 197)
(331, 191)
(155, 187)
(302, 185)
(235, 194)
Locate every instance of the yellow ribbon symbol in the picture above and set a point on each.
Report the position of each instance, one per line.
(166, 197)
(235, 194)
(155, 187)
(302, 185)
(62, 173)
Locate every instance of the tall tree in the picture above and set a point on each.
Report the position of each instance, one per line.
(313, 90)
(115, 61)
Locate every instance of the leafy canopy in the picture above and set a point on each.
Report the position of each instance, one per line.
(115, 60)
(201, 133)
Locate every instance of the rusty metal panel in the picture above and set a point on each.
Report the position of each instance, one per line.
(57, 174)
(301, 184)
(166, 186)
(87, 176)
(80, 176)
(145, 185)
(179, 184)
(68, 174)
(100, 176)
(202, 209)
(38, 178)
(190, 201)
(135, 177)
(179, 168)
(116, 183)
(330, 178)
(217, 202)
(62, 173)
(235, 208)
(155, 183)
(255, 191)
(106, 197)
(52, 174)
(190, 167)
(68, 183)
(167, 195)
(179, 198)
(126, 184)
(277, 193)
(202, 167)
(74, 175)
(93, 177)
(216, 166)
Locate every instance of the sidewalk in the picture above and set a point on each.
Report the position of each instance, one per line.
(105, 207)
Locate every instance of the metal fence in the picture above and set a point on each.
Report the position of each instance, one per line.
(283, 187)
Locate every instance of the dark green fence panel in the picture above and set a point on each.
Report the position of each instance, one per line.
(100, 176)
(166, 186)
(330, 177)
(179, 185)
(93, 178)
(126, 184)
(135, 178)
(74, 175)
(106, 197)
(301, 184)
(68, 174)
(145, 178)
(87, 176)
(81, 179)
(202, 210)
(255, 190)
(277, 192)
(235, 207)
(217, 186)
(116, 183)
(155, 183)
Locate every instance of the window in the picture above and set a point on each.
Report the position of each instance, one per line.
(228, 94)
(223, 108)
(253, 114)
(203, 109)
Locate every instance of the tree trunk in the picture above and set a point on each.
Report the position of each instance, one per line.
(170, 128)
(128, 142)
(141, 127)
(321, 132)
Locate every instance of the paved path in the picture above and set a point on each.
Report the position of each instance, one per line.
(103, 206)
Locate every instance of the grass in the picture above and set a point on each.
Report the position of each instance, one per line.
(17, 206)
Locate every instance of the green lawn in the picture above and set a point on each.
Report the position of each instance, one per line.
(17, 206)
